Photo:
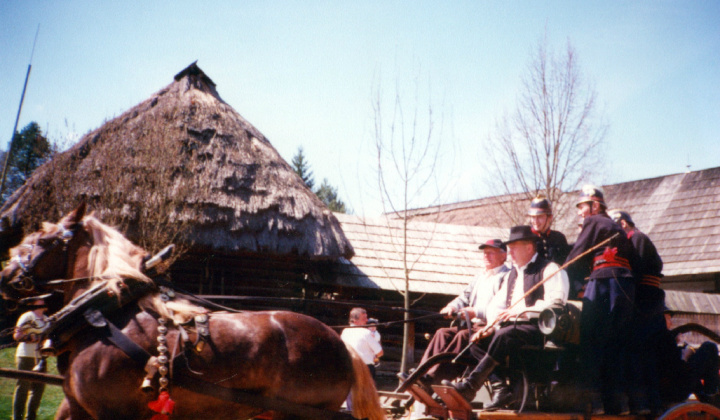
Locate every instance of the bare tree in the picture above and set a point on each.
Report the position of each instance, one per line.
(407, 147)
(551, 143)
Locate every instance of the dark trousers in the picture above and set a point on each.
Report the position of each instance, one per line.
(24, 407)
(508, 340)
(647, 325)
(452, 339)
(605, 332)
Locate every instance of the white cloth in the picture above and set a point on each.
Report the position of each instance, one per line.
(556, 288)
(480, 291)
(30, 323)
(363, 342)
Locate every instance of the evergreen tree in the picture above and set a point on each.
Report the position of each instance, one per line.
(301, 167)
(328, 195)
(28, 150)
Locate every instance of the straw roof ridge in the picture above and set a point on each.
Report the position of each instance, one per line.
(187, 154)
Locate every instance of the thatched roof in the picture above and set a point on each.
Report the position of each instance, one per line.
(185, 161)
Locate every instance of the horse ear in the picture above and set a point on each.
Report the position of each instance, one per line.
(75, 216)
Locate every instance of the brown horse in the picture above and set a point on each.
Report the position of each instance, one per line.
(276, 355)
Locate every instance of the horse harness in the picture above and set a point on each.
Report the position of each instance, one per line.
(90, 310)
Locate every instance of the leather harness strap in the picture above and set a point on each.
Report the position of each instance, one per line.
(113, 334)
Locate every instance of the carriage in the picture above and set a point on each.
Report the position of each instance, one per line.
(130, 347)
(543, 379)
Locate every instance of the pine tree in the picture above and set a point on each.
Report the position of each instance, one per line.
(29, 149)
(301, 167)
(328, 195)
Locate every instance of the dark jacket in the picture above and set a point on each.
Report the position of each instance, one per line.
(552, 245)
(617, 259)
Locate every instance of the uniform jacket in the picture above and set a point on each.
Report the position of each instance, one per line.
(552, 245)
(596, 229)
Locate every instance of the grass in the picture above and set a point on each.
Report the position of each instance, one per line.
(51, 398)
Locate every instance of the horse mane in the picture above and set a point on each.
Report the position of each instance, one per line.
(115, 258)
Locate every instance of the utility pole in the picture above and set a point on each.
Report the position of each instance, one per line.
(17, 118)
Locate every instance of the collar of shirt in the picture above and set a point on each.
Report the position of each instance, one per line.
(521, 270)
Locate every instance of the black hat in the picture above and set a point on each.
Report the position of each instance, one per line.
(521, 233)
(493, 243)
(618, 215)
(539, 205)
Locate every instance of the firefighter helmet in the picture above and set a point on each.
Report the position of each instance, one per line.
(540, 205)
(589, 194)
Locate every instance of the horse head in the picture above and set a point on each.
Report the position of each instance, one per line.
(47, 254)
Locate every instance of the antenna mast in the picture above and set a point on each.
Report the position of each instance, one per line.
(22, 99)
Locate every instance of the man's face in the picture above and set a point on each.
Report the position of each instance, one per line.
(493, 257)
(584, 210)
(362, 319)
(541, 222)
(521, 252)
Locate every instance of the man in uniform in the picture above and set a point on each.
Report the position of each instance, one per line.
(512, 303)
(552, 245)
(649, 319)
(607, 302)
(470, 304)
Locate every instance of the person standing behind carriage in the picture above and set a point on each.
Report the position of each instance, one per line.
(470, 304)
(649, 319)
(551, 245)
(29, 327)
(608, 301)
(359, 337)
(513, 303)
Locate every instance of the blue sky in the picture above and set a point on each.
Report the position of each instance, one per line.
(304, 73)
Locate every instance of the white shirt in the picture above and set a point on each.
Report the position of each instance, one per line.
(363, 342)
(31, 324)
(480, 291)
(556, 288)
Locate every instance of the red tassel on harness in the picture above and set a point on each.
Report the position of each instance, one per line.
(164, 405)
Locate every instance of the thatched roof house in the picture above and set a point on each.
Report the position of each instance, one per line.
(185, 161)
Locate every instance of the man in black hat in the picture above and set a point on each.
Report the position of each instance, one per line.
(470, 304)
(511, 326)
(552, 245)
(608, 300)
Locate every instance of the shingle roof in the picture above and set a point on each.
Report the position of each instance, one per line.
(442, 258)
(680, 213)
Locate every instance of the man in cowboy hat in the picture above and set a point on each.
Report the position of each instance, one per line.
(608, 301)
(470, 304)
(512, 303)
(552, 245)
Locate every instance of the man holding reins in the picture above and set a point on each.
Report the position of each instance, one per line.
(471, 304)
(515, 301)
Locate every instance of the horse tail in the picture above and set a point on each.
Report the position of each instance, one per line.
(365, 401)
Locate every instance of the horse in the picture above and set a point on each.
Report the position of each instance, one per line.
(277, 356)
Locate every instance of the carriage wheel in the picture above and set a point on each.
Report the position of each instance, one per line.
(692, 411)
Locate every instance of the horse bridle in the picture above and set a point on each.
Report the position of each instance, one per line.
(27, 281)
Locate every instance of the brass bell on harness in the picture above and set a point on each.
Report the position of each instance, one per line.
(48, 348)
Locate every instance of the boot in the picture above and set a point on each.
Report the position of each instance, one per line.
(469, 386)
(501, 396)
